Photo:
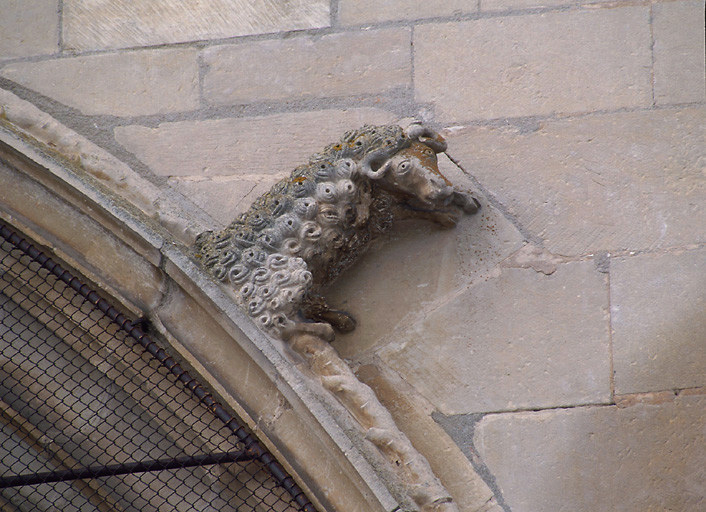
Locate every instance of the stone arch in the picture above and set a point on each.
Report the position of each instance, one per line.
(127, 237)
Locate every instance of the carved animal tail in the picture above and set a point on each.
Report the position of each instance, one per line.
(312, 342)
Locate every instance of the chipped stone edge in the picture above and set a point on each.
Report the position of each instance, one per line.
(89, 162)
(83, 168)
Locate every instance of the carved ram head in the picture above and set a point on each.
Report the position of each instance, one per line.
(413, 175)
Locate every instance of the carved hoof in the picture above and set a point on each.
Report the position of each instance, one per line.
(316, 308)
(340, 320)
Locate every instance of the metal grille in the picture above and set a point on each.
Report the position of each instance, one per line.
(94, 415)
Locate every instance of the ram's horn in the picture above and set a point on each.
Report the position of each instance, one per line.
(370, 160)
(418, 131)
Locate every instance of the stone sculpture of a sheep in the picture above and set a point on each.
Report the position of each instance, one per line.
(305, 231)
(312, 225)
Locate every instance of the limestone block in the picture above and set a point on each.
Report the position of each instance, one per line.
(641, 458)
(345, 64)
(679, 52)
(28, 27)
(621, 181)
(520, 340)
(224, 198)
(344, 495)
(103, 24)
(61, 146)
(573, 61)
(266, 145)
(122, 84)
(354, 12)
(421, 264)
(659, 325)
(511, 5)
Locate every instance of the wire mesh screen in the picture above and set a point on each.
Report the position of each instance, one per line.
(90, 420)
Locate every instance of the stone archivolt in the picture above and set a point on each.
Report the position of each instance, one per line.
(311, 226)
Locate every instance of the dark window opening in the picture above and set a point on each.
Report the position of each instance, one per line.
(95, 416)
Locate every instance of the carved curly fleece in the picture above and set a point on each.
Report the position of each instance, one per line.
(269, 252)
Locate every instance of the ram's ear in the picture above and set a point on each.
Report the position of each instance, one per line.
(375, 168)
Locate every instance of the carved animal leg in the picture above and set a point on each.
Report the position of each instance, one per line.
(315, 307)
(446, 218)
(316, 329)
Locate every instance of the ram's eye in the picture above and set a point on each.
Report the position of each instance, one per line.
(403, 167)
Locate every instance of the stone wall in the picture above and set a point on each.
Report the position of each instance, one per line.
(553, 343)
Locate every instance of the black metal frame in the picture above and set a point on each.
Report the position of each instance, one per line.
(123, 469)
(252, 448)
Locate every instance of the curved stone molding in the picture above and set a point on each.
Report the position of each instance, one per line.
(88, 208)
(88, 161)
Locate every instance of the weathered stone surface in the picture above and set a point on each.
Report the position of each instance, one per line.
(642, 458)
(521, 340)
(354, 12)
(102, 24)
(421, 263)
(68, 227)
(658, 305)
(224, 198)
(50, 133)
(534, 257)
(511, 5)
(345, 64)
(607, 182)
(413, 415)
(679, 51)
(213, 348)
(123, 84)
(253, 145)
(28, 27)
(541, 64)
(50, 137)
